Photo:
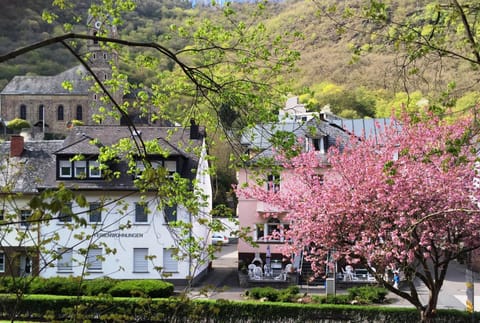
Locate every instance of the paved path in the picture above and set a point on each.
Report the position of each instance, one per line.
(222, 283)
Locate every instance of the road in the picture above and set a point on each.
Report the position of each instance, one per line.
(222, 283)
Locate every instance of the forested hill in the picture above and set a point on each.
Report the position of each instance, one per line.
(325, 63)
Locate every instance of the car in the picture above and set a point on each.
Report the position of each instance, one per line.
(219, 239)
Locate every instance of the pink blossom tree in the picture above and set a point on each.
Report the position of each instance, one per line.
(407, 203)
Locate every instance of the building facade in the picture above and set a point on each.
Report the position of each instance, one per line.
(267, 223)
(110, 227)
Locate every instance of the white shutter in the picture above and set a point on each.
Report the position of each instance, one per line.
(94, 260)
(65, 260)
(140, 262)
(169, 263)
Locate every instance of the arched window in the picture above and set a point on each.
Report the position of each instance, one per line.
(60, 112)
(79, 115)
(41, 109)
(23, 112)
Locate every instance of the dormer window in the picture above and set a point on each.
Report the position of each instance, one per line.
(169, 165)
(317, 144)
(79, 169)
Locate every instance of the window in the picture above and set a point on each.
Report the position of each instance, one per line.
(170, 213)
(105, 56)
(65, 168)
(273, 183)
(23, 112)
(94, 169)
(41, 110)
(80, 168)
(95, 212)
(272, 230)
(64, 262)
(24, 215)
(2, 215)
(317, 143)
(66, 213)
(2, 262)
(79, 115)
(94, 259)
(141, 213)
(170, 264)
(60, 113)
(140, 261)
(169, 165)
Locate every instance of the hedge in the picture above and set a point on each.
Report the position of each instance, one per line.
(74, 286)
(65, 309)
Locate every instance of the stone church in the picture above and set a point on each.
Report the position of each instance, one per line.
(52, 108)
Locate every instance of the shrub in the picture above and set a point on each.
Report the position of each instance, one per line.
(267, 293)
(145, 287)
(289, 294)
(18, 124)
(94, 287)
(56, 286)
(368, 294)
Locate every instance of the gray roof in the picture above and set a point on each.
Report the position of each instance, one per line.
(29, 171)
(364, 128)
(49, 85)
(174, 140)
(36, 168)
(260, 136)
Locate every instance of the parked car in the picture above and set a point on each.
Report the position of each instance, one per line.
(220, 239)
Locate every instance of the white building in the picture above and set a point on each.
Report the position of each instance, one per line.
(117, 229)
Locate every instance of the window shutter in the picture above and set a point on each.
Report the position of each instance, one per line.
(94, 261)
(140, 262)
(170, 264)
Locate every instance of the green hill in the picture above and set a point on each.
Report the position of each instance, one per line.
(326, 61)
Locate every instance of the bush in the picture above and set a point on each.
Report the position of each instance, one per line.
(266, 293)
(94, 287)
(18, 124)
(145, 287)
(289, 294)
(56, 286)
(368, 294)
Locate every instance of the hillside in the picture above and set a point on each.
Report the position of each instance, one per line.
(325, 53)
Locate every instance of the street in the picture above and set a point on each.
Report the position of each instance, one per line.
(222, 283)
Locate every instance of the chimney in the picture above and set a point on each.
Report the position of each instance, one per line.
(16, 146)
(194, 131)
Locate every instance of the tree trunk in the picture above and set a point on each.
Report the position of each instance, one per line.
(429, 312)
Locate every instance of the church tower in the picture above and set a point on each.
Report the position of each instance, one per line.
(101, 58)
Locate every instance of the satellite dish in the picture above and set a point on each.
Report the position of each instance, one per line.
(98, 24)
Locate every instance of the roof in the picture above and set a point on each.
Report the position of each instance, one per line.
(50, 85)
(174, 140)
(36, 168)
(364, 128)
(29, 171)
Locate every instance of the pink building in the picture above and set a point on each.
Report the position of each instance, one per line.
(266, 223)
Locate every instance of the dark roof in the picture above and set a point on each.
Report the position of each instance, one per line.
(50, 85)
(32, 168)
(174, 140)
(37, 168)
